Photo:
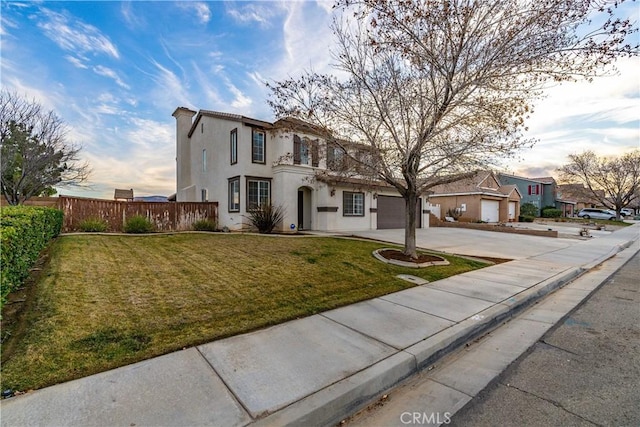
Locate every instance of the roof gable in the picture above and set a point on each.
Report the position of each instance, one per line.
(228, 116)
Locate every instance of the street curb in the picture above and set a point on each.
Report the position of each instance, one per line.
(338, 401)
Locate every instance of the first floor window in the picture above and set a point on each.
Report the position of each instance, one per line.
(352, 204)
(258, 192)
(234, 195)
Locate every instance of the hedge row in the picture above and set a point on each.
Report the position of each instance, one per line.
(24, 232)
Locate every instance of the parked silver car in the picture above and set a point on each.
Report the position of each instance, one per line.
(594, 213)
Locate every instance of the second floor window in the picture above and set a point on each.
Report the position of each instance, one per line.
(300, 151)
(258, 147)
(233, 141)
(335, 158)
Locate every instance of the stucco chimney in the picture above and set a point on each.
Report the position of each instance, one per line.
(184, 120)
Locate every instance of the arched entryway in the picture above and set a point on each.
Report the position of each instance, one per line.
(304, 208)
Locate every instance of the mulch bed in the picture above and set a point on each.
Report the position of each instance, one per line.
(399, 256)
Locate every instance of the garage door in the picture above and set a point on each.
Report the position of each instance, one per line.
(512, 211)
(490, 210)
(391, 212)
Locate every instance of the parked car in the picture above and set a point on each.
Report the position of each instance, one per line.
(588, 213)
(626, 212)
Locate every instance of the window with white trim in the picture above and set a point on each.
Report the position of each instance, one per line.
(234, 194)
(258, 146)
(233, 142)
(258, 192)
(535, 189)
(204, 160)
(352, 204)
(300, 151)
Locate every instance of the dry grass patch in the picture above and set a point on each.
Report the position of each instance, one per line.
(106, 301)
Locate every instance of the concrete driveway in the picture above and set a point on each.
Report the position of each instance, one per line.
(474, 242)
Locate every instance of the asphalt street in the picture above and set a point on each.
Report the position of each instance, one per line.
(585, 372)
(582, 369)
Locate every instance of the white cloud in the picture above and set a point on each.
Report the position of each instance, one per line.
(612, 97)
(601, 116)
(108, 72)
(307, 39)
(76, 36)
(241, 101)
(202, 11)
(77, 62)
(49, 97)
(250, 13)
(145, 162)
(327, 5)
(133, 19)
(6, 23)
(170, 90)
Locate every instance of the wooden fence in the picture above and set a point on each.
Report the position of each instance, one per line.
(166, 216)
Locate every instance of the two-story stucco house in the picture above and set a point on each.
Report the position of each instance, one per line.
(540, 192)
(241, 163)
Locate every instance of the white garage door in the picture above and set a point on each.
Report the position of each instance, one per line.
(512, 211)
(490, 210)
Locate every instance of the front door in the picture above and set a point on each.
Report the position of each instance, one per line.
(300, 210)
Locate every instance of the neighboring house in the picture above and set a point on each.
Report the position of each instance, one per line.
(478, 198)
(242, 163)
(540, 192)
(579, 194)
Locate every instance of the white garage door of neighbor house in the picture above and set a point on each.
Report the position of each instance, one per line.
(391, 212)
(490, 210)
(512, 210)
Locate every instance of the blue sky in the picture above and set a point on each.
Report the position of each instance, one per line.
(115, 71)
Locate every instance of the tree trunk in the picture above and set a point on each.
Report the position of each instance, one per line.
(411, 200)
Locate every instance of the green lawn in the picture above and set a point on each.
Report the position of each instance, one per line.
(106, 301)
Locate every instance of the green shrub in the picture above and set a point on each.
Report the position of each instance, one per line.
(205, 225)
(551, 213)
(526, 218)
(138, 224)
(528, 209)
(24, 232)
(266, 217)
(93, 225)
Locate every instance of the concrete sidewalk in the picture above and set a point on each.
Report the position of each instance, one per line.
(319, 369)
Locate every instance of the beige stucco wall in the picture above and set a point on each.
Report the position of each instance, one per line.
(213, 135)
(472, 203)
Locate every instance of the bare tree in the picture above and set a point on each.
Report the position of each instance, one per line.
(613, 181)
(36, 155)
(438, 88)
